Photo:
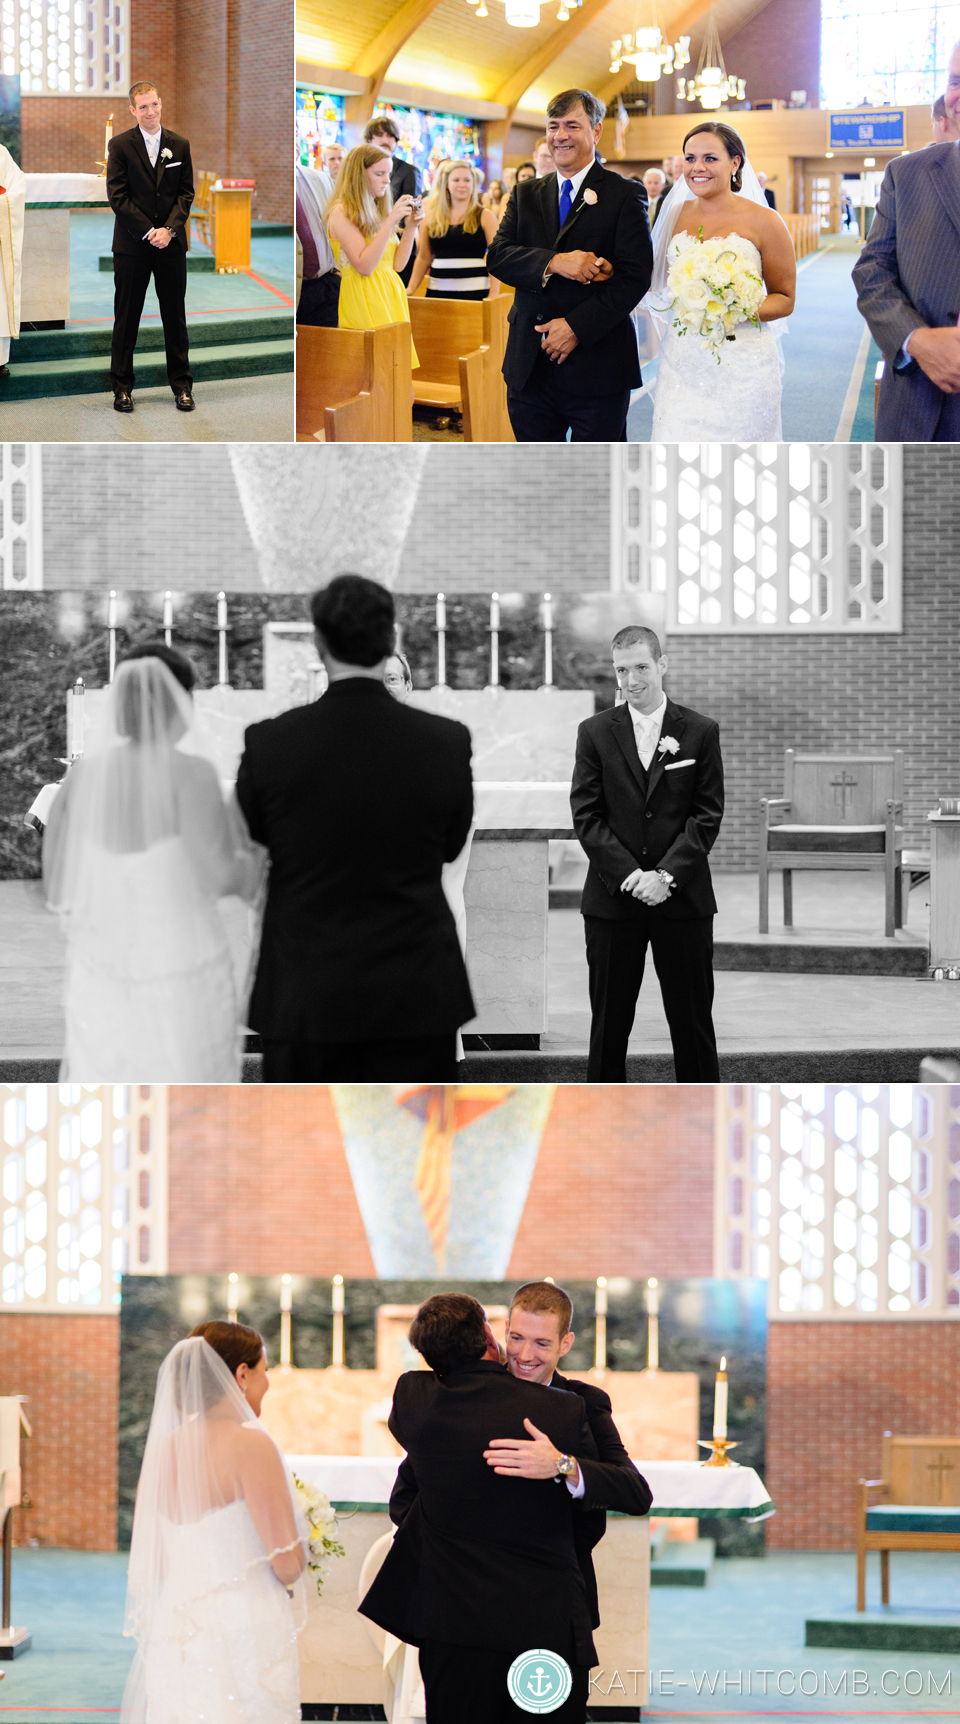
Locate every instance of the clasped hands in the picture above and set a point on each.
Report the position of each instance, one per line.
(558, 340)
(646, 885)
(518, 1458)
(160, 237)
(937, 352)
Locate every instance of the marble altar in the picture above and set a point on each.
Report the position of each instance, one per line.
(45, 296)
(944, 891)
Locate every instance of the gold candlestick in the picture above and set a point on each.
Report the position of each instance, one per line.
(719, 1447)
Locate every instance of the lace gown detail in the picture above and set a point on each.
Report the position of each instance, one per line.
(223, 1647)
(738, 401)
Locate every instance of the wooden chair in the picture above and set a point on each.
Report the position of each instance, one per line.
(460, 345)
(837, 811)
(201, 210)
(353, 385)
(920, 1489)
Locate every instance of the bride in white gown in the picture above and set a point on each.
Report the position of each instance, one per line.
(215, 1594)
(139, 848)
(695, 398)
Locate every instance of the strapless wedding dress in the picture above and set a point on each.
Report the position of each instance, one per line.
(223, 1646)
(150, 991)
(738, 401)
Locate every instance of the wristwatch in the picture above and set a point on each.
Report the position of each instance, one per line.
(667, 879)
(566, 1467)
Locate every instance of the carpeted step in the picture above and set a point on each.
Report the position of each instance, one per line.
(85, 341)
(198, 263)
(91, 376)
(686, 1562)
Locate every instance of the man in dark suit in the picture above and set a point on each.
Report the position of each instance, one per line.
(908, 288)
(539, 1334)
(768, 194)
(359, 801)
(150, 190)
(404, 176)
(647, 801)
(571, 358)
(655, 183)
(484, 1566)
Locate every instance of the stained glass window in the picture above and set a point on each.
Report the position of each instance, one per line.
(885, 51)
(761, 537)
(427, 138)
(84, 1193)
(845, 1198)
(67, 47)
(21, 516)
(319, 122)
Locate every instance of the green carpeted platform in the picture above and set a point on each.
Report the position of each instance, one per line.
(687, 1562)
(885, 1630)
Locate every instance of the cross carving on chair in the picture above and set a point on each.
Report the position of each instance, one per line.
(844, 787)
(940, 1467)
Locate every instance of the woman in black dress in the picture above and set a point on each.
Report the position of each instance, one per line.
(454, 236)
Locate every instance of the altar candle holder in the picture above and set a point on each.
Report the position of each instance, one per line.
(75, 727)
(653, 1324)
(494, 639)
(719, 1444)
(600, 1314)
(547, 641)
(441, 641)
(337, 1305)
(286, 1306)
(168, 618)
(718, 1447)
(112, 634)
(232, 1281)
(222, 639)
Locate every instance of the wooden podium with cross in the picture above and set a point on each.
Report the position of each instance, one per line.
(837, 811)
(920, 1506)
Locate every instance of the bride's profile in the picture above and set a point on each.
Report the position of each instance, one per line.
(139, 848)
(729, 391)
(215, 1595)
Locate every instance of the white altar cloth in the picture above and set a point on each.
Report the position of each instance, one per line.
(681, 1488)
(65, 189)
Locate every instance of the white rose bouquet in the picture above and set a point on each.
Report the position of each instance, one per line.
(713, 285)
(322, 1527)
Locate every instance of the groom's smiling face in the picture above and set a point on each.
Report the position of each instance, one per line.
(535, 1344)
(640, 675)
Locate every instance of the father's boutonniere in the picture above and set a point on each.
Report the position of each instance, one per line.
(668, 745)
(165, 155)
(589, 196)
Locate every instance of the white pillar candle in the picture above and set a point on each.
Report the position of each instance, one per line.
(75, 721)
(167, 617)
(441, 641)
(222, 640)
(286, 1305)
(653, 1324)
(720, 1404)
(337, 1303)
(441, 613)
(108, 134)
(494, 639)
(600, 1312)
(232, 1281)
(112, 634)
(547, 641)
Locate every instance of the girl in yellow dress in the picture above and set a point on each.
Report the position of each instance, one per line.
(362, 223)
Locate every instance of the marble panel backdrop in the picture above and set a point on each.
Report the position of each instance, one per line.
(45, 290)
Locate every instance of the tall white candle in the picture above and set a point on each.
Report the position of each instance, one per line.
(108, 135)
(547, 612)
(494, 639)
(338, 1293)
(221, 610)
(337, 1302)
(547, 641)
(720, 1404)
(495, 610)
(441, 640)
(441, 612)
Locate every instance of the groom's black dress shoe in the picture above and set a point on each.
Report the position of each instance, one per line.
(4, 371)
(184, 401)
(122, 401)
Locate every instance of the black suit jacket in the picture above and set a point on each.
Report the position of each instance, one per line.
(404, 177)
(611, 1482)
(143, 197)
(359, 801)
(667, 817)
(480, 1559)
(615, 227)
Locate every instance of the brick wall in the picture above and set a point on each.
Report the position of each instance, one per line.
(67, 1368)
(756, 53)
(223, 70)
(832, 1390)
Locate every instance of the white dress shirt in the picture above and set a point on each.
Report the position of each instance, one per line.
(152, 141)
(646, 730)
(576, 181)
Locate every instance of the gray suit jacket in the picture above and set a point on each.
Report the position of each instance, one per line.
(907, 277)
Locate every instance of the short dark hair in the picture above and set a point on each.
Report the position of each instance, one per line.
(570, 99)
(176, 662)
(138, 89)
(381, 123)
(732, 143)
(632, 635)
(541, 1296)
(448, 1330)
(356, 619)
(518, 170)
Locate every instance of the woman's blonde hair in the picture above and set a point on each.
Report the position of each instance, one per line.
(438, 208)
(352, 191)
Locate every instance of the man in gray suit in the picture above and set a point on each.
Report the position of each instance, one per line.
(908, 289)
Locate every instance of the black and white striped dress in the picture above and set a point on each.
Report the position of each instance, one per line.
(458, 267)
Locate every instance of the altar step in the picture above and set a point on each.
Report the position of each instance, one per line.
(77, 361)
(884, 1631)
(198, 263)
(687, 1562)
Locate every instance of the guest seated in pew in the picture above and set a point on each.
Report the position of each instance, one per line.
(526, 171)
(495, 198)
(362, 222)
(453, 239)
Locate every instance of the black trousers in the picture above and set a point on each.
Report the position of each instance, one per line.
(403, 1059)
(131, 277)
(551, 403)
(319, 301)
(683, 960)
(468, 1685)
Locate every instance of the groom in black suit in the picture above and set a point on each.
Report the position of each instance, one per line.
(483, 1567)
(150, 190)
(647, 801)
(359, 801)
(571, 358)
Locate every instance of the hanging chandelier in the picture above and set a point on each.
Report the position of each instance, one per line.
(525, 14)
(650, 52)
(712, 85)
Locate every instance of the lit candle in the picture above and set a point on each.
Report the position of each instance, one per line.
(495, 611)
(338, 1293)
(167, 616)
(75, 720)
(600, 1312)
(108, 135)
(222, 641)
(547, 613)
(112, 611)
(441, 641)
(337, 1303)
(547, 641)
(286, 1306)
(494, 639)
(221, 610)
(653, 1324)
(232, 1298)
(720, 1404)
(112, 634)
(441, 613)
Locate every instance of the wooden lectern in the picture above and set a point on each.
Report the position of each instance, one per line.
(231, 226)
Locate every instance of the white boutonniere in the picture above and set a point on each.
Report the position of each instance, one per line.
(165, 155)
(668, 745)
(589, 196)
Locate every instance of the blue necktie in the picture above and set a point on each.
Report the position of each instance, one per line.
(566, 199)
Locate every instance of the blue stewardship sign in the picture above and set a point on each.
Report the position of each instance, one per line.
(868, 129)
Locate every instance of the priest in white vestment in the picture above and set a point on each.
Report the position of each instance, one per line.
(13, 197)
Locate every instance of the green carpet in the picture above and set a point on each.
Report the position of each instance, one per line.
(269, 287)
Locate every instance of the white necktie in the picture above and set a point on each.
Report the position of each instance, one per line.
(645, 738)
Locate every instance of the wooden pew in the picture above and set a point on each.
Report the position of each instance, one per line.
(354, 385)
(805, 233)
(460, 344)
